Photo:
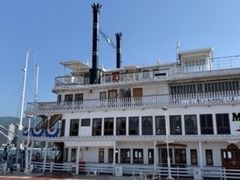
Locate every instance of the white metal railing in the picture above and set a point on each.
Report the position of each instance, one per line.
(51, 167)
(137, 102)
(200, 65)
(139, 170)
(221, 173)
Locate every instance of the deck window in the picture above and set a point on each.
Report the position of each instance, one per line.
(150, 156)
(121, 125)
(175, 125)
(163, 156)
(190, 124)
(85, 122)
(193, 154)
(101, 155)
(97, 127)
(133, 125)
(180, 156)
(223, 125)
(78, 97)
(147, 125)
(73, 155)
(110, 155)
(68, 98)
(62, 132)
(125, 156)
(206, 123)
(138, 156)
(103, 96)
(74, 126)
(160, 125)
(108, 126)
(209, 157)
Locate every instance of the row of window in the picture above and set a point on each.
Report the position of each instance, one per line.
(136, 156)
(190, 124)
(205, 87)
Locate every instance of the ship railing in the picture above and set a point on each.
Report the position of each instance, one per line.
(108, 78)
(220, 172)
(177, 171)
(201, 65)
(51, 167)
(138, 102)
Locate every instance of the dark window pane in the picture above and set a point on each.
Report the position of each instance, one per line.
(193, 154)
(175, 125)
(110, 155)
(206, 123)
(160, 125)
(97, 127)
(101, 155)
(85, 122)
(209, 157)
(133, 125)
(108, 126)
(68, 98)
(74, 126)
(180, 156)
(190, 124)
(147, 126)
(138, 156)
(125, 156)
(121, 125)
(223, 125)
(150, 156)
(79, 97)
(62, 133)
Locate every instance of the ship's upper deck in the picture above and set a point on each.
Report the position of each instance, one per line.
(189, 65)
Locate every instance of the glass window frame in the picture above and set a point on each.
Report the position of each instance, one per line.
(190, 130)
(74, 127)
(147, 125)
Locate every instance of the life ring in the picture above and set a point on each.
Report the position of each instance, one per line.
(115, 77)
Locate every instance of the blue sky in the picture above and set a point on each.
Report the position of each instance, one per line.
(59, 30)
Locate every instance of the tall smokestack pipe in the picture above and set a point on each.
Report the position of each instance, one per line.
(95, 71)
(118, 49)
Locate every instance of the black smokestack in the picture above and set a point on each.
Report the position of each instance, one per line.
(95, 71)
(118, 49)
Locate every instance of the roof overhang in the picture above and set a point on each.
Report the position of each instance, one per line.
(76, 66)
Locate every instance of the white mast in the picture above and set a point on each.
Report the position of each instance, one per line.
(23, 91)
(36, 85)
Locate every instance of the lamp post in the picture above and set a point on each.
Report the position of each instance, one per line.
(169, 177)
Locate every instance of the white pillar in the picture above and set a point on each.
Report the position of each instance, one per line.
(114, 126)
(155, 154)
(114, 156)
(183, 125)
(69, 154)
(127, 127)
(140, 126)
(154, 126)
(45, 156)
(200, 158)
(77, 160)
(214, 124)
(102, 133)
(198, 125)
(114, 153)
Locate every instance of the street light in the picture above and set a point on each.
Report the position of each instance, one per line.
(165, 108)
